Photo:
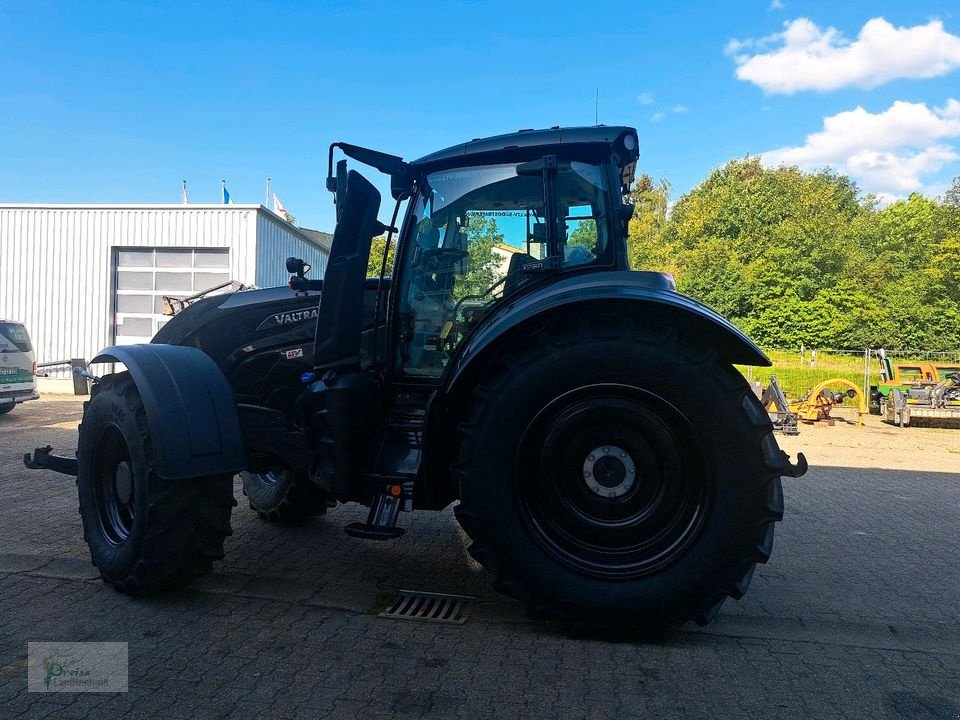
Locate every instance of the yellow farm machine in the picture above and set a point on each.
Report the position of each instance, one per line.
(815, 406)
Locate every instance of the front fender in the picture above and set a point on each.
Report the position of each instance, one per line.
(191, 413)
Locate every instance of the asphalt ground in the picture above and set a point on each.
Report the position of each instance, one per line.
(857, 615)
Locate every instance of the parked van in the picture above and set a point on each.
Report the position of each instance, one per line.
(18, 366)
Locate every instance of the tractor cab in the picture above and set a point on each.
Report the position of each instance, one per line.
(476, 236)
(485, 221)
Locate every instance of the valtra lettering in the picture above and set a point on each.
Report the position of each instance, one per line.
(289, 318)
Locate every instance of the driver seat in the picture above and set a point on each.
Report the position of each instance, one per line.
(515, 277)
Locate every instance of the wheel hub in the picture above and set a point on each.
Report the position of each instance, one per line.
(114, 489)
(123, 482)
(612, 481)
(609, 471)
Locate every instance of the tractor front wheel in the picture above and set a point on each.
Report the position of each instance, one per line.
(612, 475)
(284, 495)
(145, 533)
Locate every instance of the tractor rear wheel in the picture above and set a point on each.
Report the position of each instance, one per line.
(613, 475)
(284, 495)
(145, 533)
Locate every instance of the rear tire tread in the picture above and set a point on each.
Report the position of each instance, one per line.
(547, 339)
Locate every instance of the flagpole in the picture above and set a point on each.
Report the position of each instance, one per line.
(223, 192)
(266, 198)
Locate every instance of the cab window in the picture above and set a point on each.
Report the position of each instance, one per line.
(472, 232)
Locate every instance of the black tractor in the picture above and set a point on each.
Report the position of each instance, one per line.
(607, 460)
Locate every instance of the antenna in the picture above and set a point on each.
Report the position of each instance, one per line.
(596, 109)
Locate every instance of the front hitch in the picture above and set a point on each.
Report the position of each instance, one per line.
(43, 459)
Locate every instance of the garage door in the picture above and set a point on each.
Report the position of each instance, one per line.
(145, 275)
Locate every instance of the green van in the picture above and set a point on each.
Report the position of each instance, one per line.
(17, 366)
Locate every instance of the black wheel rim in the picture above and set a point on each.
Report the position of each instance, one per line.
(114, 492)
(612, 481)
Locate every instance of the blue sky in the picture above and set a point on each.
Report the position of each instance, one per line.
(118, 102)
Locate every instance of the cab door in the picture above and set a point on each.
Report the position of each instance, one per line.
(476, 235)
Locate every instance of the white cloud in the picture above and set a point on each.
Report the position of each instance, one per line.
(657, 117)
(645, 98)
(776, 5)
(805, 57)
(680, 108)
(887, 153)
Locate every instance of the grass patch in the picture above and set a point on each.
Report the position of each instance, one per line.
(797, 376)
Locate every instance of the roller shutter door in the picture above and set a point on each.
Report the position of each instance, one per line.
(144, 275)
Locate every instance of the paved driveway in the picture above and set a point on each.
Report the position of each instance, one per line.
(857, 615)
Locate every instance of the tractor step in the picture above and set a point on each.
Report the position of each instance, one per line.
(373, 532)
(381, 522)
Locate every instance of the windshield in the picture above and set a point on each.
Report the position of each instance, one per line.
(472, 231)
(13, 337)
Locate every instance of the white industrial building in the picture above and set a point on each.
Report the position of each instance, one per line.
(83, 277)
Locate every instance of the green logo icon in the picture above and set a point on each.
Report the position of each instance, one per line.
(55, 668)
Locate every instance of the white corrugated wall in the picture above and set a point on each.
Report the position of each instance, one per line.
(275, 243)
(56, 262)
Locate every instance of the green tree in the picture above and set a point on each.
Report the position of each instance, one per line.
(768, 247)
(646, 249)
(951, 198)
(482, 263)
(583, 235)
(375, 260)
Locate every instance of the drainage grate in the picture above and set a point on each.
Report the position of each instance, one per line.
(430, 607)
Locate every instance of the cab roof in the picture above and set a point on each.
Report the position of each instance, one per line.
(599, 135)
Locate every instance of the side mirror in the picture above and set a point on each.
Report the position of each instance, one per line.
(626, 215)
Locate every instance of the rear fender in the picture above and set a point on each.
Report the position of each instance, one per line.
(648, 298)
(190, 409)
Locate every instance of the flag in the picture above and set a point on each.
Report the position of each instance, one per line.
(184, 198)
(227, 200)
(278, 207)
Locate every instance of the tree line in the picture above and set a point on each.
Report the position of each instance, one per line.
(794, 257)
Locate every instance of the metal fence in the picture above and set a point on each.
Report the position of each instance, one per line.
(64, 369)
